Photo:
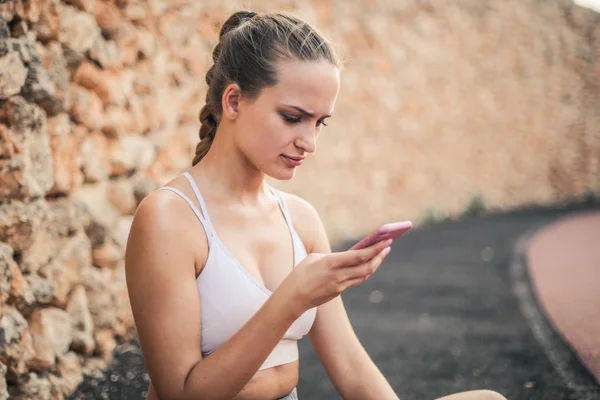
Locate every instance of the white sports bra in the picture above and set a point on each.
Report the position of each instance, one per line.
(230, 295)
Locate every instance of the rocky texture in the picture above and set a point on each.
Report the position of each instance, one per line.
(444, 108)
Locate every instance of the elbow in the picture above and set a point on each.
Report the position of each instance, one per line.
(196, 385)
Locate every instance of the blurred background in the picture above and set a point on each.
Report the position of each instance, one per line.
(447, 109)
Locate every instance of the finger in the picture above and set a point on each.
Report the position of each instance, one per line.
(371, 267)
(366, 269)
(356, 257)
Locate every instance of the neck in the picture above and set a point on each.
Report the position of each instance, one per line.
(230, 173)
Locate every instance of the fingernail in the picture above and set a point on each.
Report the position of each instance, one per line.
(386, 251)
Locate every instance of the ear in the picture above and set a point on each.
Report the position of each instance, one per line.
(231, 101)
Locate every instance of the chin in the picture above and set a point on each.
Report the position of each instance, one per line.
(282, 175)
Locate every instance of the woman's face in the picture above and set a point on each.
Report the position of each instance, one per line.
(279, 128)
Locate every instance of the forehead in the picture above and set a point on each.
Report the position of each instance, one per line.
(311, 85)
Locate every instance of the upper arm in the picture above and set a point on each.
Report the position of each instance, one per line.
(161, 282)
(332, 335)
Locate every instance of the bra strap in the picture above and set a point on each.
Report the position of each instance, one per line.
(209, 224)
(283, 206)
(203, 221)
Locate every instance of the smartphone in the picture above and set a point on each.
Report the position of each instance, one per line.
(388, 231)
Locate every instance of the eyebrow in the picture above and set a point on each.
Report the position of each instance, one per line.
(308, 114)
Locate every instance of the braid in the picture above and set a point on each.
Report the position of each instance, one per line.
(208, 118)
(208, 129)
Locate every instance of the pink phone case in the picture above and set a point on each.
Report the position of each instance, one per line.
(388, 231)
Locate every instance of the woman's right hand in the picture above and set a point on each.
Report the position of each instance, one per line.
(321, 277)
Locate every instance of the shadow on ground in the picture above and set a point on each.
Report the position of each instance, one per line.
(440, 316)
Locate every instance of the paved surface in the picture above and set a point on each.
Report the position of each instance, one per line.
(564, 264)
(451, 309)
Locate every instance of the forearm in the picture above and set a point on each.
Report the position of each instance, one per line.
(365, 382)
(229, 368)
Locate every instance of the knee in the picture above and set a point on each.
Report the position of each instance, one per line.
(475, 395)
(489, 395)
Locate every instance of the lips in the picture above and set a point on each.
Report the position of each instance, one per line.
(293, 161)
(295, 158)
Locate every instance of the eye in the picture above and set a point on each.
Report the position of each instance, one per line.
(321, 122)
(289, 119)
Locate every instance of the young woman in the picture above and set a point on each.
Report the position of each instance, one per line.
(224, 272)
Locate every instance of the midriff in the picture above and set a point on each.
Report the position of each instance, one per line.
(270, 383)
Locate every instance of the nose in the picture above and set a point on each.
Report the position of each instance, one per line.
(308, 140)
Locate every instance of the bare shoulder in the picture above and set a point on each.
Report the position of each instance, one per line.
(307, 223)
(160, 215)
(165, 222)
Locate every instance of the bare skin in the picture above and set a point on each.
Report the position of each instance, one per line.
(167, 250)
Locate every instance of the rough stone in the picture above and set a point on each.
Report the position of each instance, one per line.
(55, 62)
(7, 270)
(94, 202)
(39, 88)
(5, 33)
(64, 270)
(106, 53)
(95, 159)
(8, 145)
(128, 41)
(142, 186)
(48, 26)
(136, 109)
(108, 254)
(83, 324)
(42, 289)
(67, 216)
(66, 150)
(73, 58)
(136, 11)
(78, 29)
(27, 47)
(52, 333)
(3, 386)
(106, 343)
(121, 195)
(19, 223)
(120, 233)
(29, 10)
(103, 291)
(12, 74)
(86, 107)
(130, 153)
(69, 369)
(94, 367)
(108, 17)
(89, 6)
(21, 295)
(45, 244)
(29, 172)
(112, 87)
(7, 10)
(35, 387)
(13, 326)
(118, 121)
(19, 28)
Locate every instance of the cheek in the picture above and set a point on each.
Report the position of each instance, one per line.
(275, 132)
(265, 132)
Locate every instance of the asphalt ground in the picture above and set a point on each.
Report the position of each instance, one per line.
(452, 309)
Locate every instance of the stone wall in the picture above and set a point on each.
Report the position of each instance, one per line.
(440, 103)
